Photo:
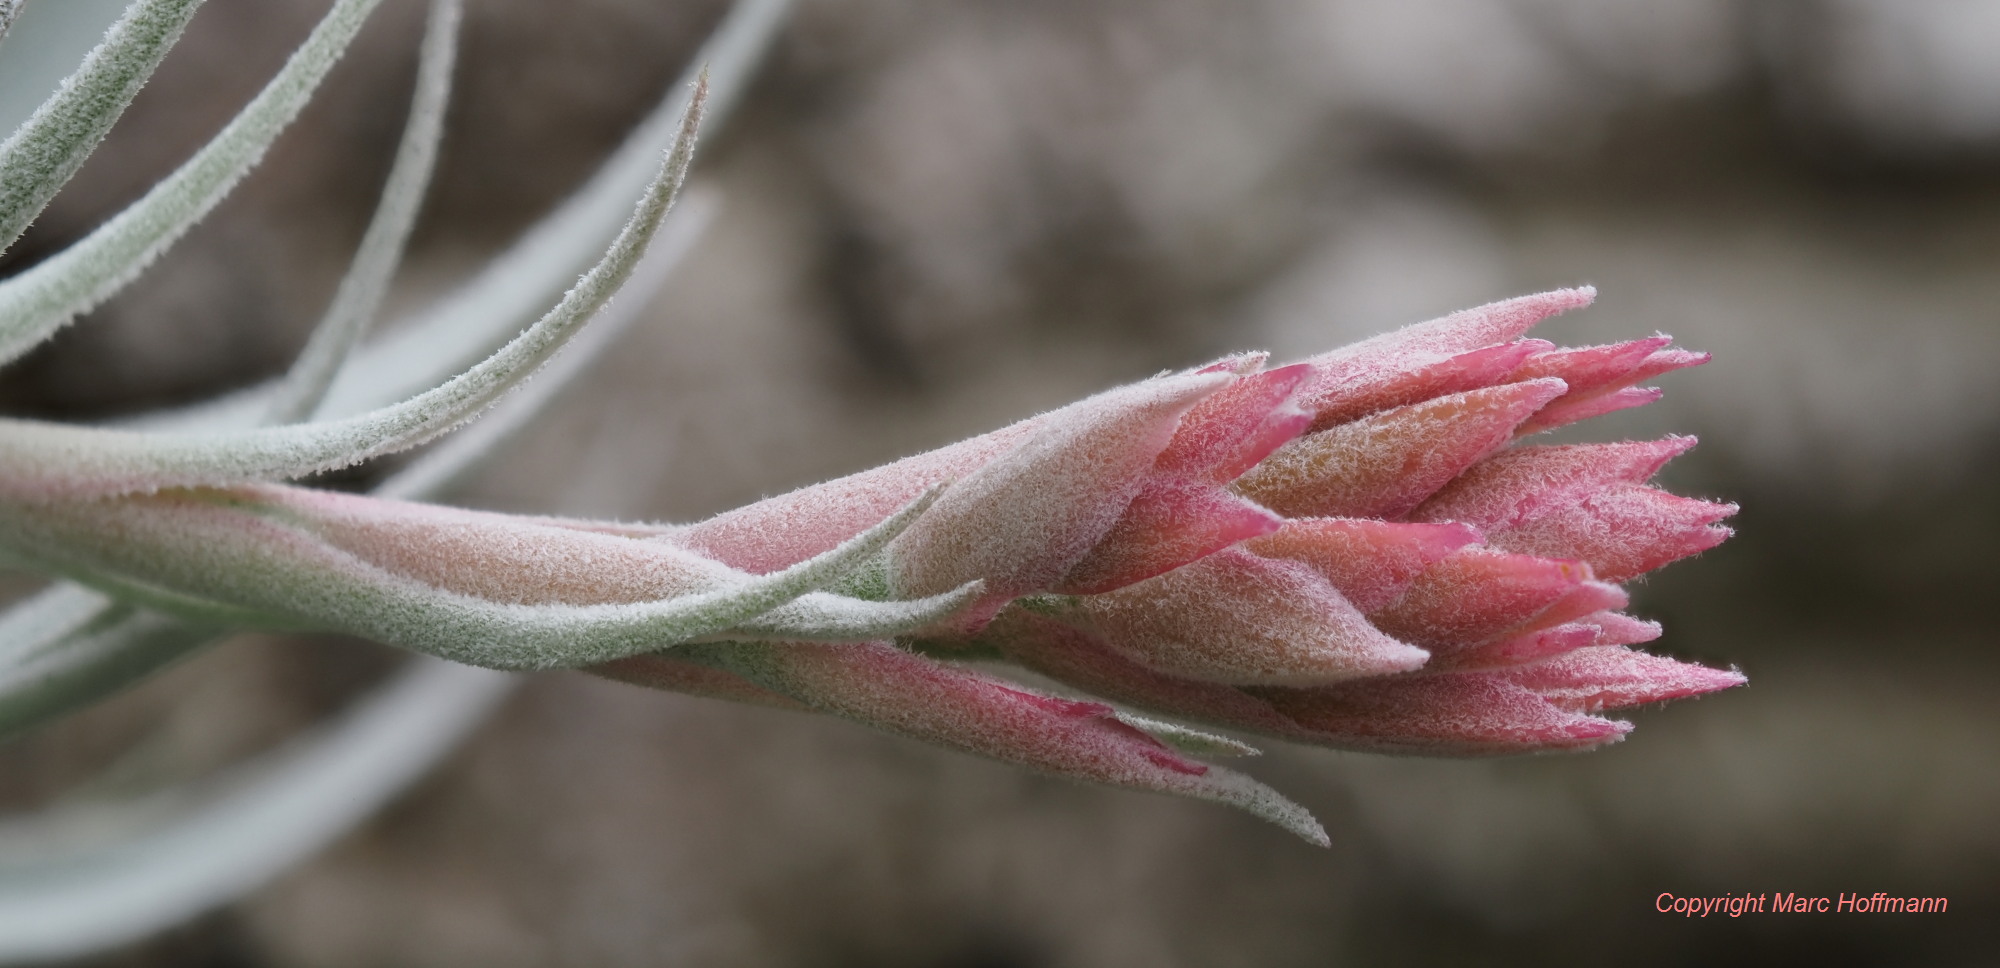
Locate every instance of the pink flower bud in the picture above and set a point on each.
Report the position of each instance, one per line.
(1349, 552)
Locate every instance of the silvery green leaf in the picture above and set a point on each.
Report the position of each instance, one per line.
(273, 812)
(44, 47)
(71, 668)
(500, 299)
(69, 646)
(381, 249)
(50, 459)
(41, 155)
(41, 300)
(820, 617)
(81, 880)
(1188, 740)
(449, 461)
(246, 558)
(8, 10)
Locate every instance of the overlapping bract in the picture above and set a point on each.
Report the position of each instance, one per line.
(1354, 552)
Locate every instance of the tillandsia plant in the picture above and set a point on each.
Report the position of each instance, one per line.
(1355, 551)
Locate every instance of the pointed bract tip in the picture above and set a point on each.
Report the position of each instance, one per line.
(1595, 731)
(1240, 364)
(1521, 313)
(1615, 677)
(1192, 741)
(1240, 791)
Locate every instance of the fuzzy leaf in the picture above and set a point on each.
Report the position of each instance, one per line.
(69, 646)
(41, 155)
(48, 459)
(36, 303)
(820, 617)
(249, 557)
(502, 298)
(381, 249)
(47, 670)
(1188, 740)
(450, 461)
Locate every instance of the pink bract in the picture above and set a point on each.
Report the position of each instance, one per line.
(1355, 551)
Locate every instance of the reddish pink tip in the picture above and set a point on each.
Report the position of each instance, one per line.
(1612, 677)
(1567, 411)
(1336, 396)
(1229, 432)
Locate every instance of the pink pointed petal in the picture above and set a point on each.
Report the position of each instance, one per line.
(1588, 369)
(1586, 598)
(1667, 361)
(1238, 364)
(1613, 677)
(1605, 390)
(1618, 628)
(1497, 321)
(1413, 381)
(883, 686)
(1421, 344)
(1231, 431)
(1509, 487)
(1028, 516)
(1624, 530)
(1474, 595)
(1370, 562)
(1383, 466)
(1467, 714)
(1518, 649)
(1234, 617)
(1566, 411)
(1168, 525)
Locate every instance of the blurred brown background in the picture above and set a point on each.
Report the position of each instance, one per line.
(941, 217)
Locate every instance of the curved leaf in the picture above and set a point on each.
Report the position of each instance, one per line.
(50, 459)
(381, 250)
(41, 155)
(36, 303)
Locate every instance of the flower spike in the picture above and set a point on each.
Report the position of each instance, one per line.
(40, 301)
(1352, 552)
(1349, 552)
